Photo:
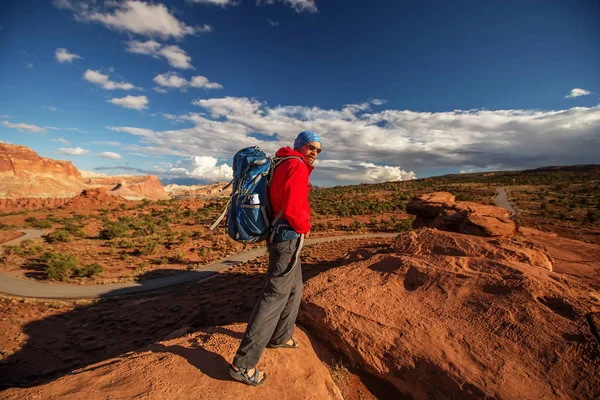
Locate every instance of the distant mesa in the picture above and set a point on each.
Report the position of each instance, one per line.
(30, 181)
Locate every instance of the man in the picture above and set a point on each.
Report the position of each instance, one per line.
(272, 321)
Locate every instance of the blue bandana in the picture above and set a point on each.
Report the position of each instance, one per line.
(305, 138)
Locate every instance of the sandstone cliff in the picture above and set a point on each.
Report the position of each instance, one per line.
(30, 181)
(211, 190)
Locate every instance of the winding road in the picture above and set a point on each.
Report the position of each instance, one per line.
(501, 200)
(26, 288)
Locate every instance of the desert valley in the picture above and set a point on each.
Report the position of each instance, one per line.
(465, 286)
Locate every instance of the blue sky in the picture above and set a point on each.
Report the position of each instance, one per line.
(396, 89)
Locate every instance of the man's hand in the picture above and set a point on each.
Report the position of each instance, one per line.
(307, 235)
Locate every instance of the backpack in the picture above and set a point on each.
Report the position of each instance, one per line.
(248, 209)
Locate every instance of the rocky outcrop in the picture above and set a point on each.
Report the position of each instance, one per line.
(30, 181)
(440, 210)
(93, 198)
(198, 191)
(21, 161)
(193, 367)
(131, 187)
(446, 315)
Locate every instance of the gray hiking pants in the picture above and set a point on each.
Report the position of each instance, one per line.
(274, 315)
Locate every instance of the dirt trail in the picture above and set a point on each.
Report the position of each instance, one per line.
(24, 288)
(501, 200)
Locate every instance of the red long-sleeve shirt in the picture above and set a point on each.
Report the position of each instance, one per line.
(289, 190)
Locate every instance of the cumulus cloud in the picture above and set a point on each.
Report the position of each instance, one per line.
(62, 141)
(384, 144)
(24, 127)
(298, 5)
(577, 92)
(175, 55)
(204, 168)
(104, 81)
(62, 56)
(77, 151)
(174, 81)
(111, 155)
(144, 19)
(134, 102)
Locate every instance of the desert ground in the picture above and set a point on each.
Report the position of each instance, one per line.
(415, 315)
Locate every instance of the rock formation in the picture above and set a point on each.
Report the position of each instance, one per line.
(30, 181)
(440, 210)
(450, 315)
(193, 366)
(198, 191)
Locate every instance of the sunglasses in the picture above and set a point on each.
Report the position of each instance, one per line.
(313, 148)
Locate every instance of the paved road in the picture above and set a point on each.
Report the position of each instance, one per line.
(501, 200)
(26, 288)
(28, 234)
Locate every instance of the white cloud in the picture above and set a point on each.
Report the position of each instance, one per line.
(49, 108)
(176, 56)
(62, 141)
(577, 92)
(204, 168)
(386, 144)
(298, 5)
(62, 56)
(77, 151)
(29, 66)
(220, 3)
(273, 23)
(144, 19)
(203, 82)
(111, 155)
(378, 102)
(160, 90)
(134, 102)
(108, 143)
(103, 80)
(53, 128)
(172, 80)
(134, 131)
(24, 127)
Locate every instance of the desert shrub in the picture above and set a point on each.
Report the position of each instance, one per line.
(124, 256)
(356, 224)
(404, 225)
(179, 256)
(38, 223)
(592, 216)
(161, 260)
(184, 236)
(60, 266)
(6, 226)
(124, 243)
(149, 248)
(59, 235)
(113, 230)
(204, 251)
(74, 230)
(89, 270)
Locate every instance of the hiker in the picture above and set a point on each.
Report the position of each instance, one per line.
(272, 320)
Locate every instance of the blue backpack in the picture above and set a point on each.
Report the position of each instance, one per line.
(248, 209)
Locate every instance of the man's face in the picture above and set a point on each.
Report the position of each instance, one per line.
(310, 151)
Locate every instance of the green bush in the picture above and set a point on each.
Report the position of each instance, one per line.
(149, 248)
(60, 266)
(592, 216)
(89, 270)
(38, 223)
(60, 235)
(113, 230)
(204, 251)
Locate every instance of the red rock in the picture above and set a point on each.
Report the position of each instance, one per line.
(446, 315)
(193, 367)
(439, 210)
